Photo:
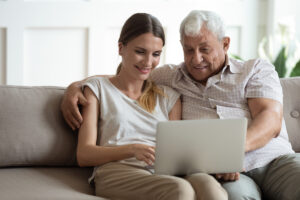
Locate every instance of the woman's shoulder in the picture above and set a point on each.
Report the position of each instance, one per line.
(96, 84)
(95, 79)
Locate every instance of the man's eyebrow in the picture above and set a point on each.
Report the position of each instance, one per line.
(187, 46)
(200, 44)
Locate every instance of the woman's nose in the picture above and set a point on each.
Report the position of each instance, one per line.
(148, 61)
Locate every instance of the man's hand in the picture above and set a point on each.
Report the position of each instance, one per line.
(228, 176)
(72, 98)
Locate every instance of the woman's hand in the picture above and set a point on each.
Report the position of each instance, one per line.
(144, 153)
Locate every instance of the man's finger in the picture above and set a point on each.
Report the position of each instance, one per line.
(76, 115)
(75, 123)
(227, 176)
(70, 124)
(82, 100)
(218, 176)
(232, 176)
(73, 120)
(66, 117)
(237, 176)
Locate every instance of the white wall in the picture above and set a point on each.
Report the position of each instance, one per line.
(288, 9)
(55, 42)
(2, 55)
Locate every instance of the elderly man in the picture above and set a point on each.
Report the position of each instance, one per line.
(215, 86)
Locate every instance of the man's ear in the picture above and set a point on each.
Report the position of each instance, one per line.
(226, 43)
(120, 46)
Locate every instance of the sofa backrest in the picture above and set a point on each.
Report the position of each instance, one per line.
(32, 129)
(34, 133)
(291, 109)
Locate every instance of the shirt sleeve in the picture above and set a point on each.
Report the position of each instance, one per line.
(163, 75)
(94, 85)
(171, 97)
(264, 82)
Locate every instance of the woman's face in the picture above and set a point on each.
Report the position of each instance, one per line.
(141, 55)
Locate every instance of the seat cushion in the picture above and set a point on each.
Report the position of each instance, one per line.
(46, 183)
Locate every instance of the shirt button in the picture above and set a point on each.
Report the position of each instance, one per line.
(295, 114)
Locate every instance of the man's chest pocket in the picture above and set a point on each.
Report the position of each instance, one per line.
(225, 112)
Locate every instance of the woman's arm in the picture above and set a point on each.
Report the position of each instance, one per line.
(90, 154)
(175, 113)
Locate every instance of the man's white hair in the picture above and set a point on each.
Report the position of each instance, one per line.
(191, 24)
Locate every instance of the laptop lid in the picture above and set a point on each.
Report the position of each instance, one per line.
(191, 146)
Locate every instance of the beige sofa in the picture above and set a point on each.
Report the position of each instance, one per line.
(37, 148)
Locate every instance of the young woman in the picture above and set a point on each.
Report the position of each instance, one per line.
(117, 135)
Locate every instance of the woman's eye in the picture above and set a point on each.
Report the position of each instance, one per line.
(139, 51)
(156, 54)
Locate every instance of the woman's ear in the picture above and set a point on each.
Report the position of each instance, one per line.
(120, 45)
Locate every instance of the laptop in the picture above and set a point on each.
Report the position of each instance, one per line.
(191, 146)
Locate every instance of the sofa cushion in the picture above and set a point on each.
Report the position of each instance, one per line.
(32, 129)
(46, 183)
(291, 109)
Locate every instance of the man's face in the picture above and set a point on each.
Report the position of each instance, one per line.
(204, 54)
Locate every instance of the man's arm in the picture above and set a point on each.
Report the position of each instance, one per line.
(266, 122)
(164, 75)
(72, 98)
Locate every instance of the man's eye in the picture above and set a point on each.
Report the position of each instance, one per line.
(204, 49)
(189, 50)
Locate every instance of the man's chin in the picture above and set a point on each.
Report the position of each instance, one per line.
(199, 79)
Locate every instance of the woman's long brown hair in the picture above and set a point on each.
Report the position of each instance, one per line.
(135, 26)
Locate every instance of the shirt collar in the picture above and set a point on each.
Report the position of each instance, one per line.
(235, 69)
(184, 73)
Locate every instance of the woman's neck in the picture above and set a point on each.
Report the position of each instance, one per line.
(130, 87)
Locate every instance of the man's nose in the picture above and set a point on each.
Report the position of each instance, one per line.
(197, 57)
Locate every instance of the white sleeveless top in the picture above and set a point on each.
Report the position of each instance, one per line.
(123, 121)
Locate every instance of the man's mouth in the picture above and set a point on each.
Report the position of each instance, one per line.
(200, 67)
(143, 70)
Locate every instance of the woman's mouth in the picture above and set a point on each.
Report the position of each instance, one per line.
(143, 70)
